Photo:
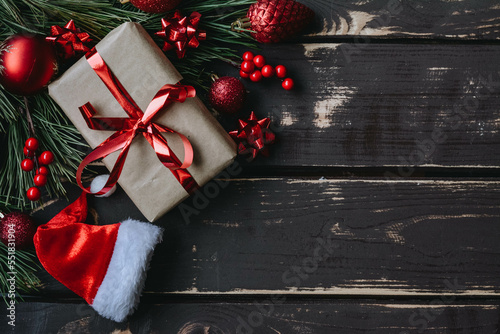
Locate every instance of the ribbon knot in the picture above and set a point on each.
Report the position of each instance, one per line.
(138, 122)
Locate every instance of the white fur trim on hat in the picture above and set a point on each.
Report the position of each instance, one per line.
(119, 292)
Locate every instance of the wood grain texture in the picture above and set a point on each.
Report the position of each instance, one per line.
(396, 18)
(377, 105)
(325, 237)
(266, 317)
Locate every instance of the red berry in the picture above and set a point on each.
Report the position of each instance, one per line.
(280, 71)
(31, 144)
(247, 55)
(40, 180)
(287, 84)
(247, 66)
(256, 76)
(244, 74)
(27, 165)
(259, 61)
(46, 158)
(28, 153)
(267, 71)
(43, 170)
(33, 194)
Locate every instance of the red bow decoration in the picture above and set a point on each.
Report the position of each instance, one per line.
(137, 123)
(180, 33)
(253, 135)
(69, 40)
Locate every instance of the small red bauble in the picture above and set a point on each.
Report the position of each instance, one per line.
(19, 228)
(40, 180)
(287, 84)
(247, 66)
(43, 170)
(244, 74)
(28, 153)
(46, 158)
(31, 144)
(33, 194)
(27, 165)
(227, 95)
(267, 71)
(256, 76)
(155, 6)
(248, 56)
(259, 61)
(29, 62)
(280, 71)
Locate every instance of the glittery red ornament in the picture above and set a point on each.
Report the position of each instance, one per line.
(155, 6)
(17, 228)
(27, 63)
(276, 20)
(227, 95)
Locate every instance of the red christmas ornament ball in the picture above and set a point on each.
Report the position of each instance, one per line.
(46, 158)
(19, 228)
(155, 6)
(29, 62)
(227, 95)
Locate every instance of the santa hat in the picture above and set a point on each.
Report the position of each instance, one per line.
(106, 265)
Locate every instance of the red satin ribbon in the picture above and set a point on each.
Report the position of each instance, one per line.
(137, 123)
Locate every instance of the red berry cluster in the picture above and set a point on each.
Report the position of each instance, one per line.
(28, 164)
(254, 67)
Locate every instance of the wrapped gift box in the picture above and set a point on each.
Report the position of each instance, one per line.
(143, 69)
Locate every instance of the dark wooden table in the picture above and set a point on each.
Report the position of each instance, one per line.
(377, 212)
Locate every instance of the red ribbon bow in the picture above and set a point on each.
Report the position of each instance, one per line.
(137, 123)
(253, 135)
(69, 40)
(180, 33)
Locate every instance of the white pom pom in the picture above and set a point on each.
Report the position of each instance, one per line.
(98, 183)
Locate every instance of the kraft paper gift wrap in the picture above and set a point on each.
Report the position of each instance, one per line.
(143, 69)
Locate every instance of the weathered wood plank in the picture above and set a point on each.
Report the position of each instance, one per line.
(324, 237)
(266, 317)
(394, 18)
(381, 105)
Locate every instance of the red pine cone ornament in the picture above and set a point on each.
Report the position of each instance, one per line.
(276, 20)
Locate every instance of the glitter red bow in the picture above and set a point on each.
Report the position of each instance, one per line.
(180, 32)
(69, 40)
(253, 136)
(137, 123)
